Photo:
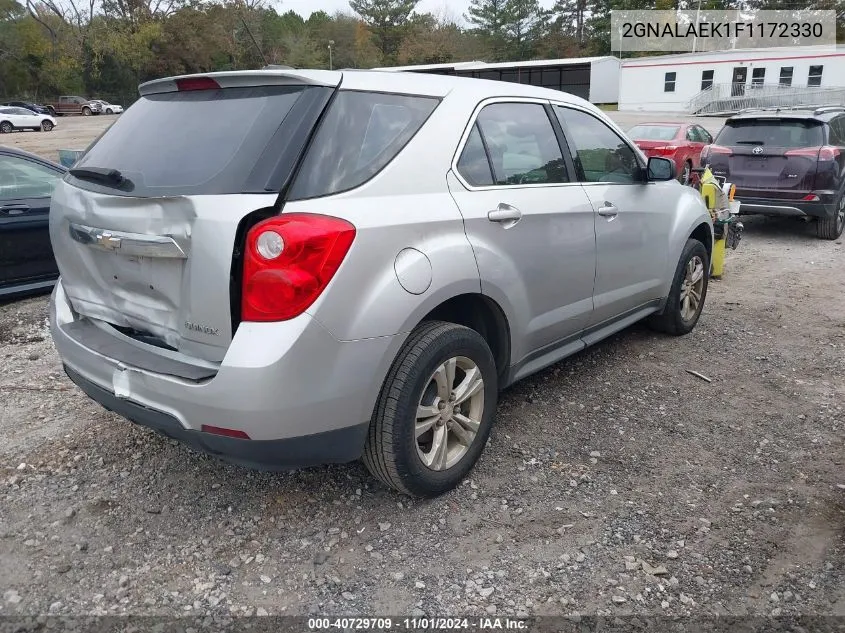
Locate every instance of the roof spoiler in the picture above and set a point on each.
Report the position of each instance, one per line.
(267, 76)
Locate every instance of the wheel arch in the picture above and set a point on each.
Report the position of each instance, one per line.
(704, 234)
(485, 316)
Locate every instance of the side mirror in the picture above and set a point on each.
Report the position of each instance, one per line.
(660, 169)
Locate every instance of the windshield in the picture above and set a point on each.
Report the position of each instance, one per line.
(191, 142)
(772, 132)
(653, 132)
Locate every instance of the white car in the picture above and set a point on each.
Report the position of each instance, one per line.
(12, 119)
(108, 108)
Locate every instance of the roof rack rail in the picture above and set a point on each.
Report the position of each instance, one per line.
(277, 67)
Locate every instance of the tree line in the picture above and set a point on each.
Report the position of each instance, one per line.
(105, 48)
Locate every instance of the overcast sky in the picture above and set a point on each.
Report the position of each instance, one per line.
(454, 8)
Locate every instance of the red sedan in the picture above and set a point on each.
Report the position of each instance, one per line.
(680, 142)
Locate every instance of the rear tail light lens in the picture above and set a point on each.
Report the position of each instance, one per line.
(709, 150)
(288, 262)
(811, 197)
(822, 153)
(666, 149)
(829, 153)
(197, 83)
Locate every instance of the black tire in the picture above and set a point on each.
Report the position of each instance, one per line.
(6, 127)
(831, 228)
(109, 111)
(390, 453)
(86, 111)
(671, 320)
(46, 126)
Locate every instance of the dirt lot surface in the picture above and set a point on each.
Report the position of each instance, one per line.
(615, 482)
(72, 132)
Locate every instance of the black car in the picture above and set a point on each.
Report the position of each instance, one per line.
(26, 257)
(38, 109)
(785, 162)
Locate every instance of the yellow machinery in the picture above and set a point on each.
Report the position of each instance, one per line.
(727, 229)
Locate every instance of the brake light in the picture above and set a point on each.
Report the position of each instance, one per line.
(823, 153)
(666, 149)
(288, 262)
(707, 150)
(196, 83)
(219, 430)
(811, 197)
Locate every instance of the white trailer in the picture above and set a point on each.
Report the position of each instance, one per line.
(731, 79)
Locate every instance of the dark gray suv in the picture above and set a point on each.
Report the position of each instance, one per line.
(786, 163)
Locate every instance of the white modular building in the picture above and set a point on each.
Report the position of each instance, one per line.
(724, 81)
(593, 78)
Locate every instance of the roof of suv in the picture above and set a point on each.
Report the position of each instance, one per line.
(377, 80)
(817, 113)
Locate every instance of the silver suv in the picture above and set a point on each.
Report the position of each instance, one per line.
(286, 268)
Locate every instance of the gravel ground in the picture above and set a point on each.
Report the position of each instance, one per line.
(615, 482)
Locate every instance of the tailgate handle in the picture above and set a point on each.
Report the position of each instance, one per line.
(132, 244)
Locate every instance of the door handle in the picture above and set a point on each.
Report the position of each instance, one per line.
(505, 214)
(14, 209)
(609, 210)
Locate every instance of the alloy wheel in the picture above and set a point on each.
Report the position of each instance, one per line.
(449, 413)
(692, 288)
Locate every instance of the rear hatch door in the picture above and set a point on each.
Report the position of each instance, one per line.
(145, 225)
(769, 157)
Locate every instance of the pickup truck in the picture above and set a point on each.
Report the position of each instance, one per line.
(70, 104)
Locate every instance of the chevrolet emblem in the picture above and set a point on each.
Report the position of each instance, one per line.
(107, 240)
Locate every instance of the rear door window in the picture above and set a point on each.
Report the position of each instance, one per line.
(772, 133)
(473, 164)
(360, 134)
(193, 142)
(522, 144)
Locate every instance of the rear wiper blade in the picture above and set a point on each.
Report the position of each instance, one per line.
(105, 175)
(750, 143)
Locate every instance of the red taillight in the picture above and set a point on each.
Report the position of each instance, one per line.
(707, 150)
(288, 262)
(822, 153)
(197, 83)
(811, 197)
(219, 430)
(665, 150)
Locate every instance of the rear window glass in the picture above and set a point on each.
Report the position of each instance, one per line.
(192, 142)
(774, 133)
(653, 132)
(361, 133)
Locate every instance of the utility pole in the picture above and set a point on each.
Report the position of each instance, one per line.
(331, 43)
(695, 33)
